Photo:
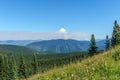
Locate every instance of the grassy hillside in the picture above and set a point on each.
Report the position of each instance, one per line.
(104, 66)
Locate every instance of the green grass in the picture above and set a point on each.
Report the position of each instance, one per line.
(105, 66)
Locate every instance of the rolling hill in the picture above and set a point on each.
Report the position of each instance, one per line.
(64, 46)
(16, 49)
(105, 66)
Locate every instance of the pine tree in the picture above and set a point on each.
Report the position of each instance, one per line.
(107, 42)
(116, 34)
(35, 64)
(22, 68)
(13, 69)
(1, 67)
(93, 47)
(6, 69)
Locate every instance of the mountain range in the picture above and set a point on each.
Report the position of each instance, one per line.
(64, 46)
(54, 46)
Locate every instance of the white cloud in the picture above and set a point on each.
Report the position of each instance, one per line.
(62, 30)
(12, 35)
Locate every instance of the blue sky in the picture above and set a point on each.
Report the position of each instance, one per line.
(76, 16)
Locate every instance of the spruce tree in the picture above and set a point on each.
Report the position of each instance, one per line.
(107, 42)
(22, 68)
(1, 67)
(13, 69)
(35, 64)
(6, 68)
(116, 34)
(93, 47)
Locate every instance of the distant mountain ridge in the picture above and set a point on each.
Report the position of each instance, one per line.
(64, 46)
(18, 42)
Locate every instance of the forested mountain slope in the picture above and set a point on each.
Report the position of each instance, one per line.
(64, 46)
(16, 49)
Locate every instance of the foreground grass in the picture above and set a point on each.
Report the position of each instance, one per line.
(104, 66)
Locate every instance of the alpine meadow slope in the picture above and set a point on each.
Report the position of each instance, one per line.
(104, 66)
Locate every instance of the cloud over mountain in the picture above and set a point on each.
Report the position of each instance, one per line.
(61, 34)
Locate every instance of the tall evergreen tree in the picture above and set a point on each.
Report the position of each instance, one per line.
(22, 68)
(1, 67)
(6, 73)
(13, 69)
(116, 34)
(4, 68)
(93, 47)
(35, 64)
(107, 42)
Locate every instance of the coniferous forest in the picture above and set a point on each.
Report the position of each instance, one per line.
(16, 67)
